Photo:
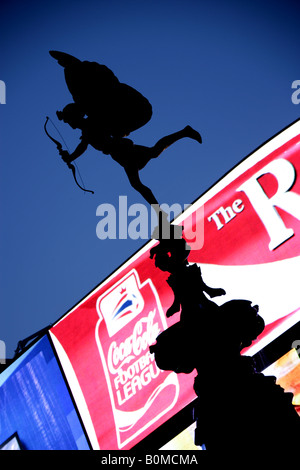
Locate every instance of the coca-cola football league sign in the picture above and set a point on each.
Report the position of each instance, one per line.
(250, 245)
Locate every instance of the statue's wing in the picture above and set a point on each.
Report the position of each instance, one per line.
(63, 58)
(118, 107)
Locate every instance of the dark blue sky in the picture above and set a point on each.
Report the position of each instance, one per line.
(226, 68)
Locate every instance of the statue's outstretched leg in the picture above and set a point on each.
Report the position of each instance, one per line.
(134, 180)
(168, 140)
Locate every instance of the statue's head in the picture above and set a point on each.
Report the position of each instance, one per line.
(72, 114)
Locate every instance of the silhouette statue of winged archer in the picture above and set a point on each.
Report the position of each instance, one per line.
(107, 111)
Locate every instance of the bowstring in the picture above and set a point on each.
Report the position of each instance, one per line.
(65, 143)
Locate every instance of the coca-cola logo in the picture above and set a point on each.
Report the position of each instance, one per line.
(144, 334)
(140, 392)
(131, 362)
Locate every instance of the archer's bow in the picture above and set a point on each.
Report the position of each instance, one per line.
(70, 165)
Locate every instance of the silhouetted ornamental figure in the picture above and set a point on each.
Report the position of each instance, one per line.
(185, 280)
(178, 348)
(130, 156)
(237, 408)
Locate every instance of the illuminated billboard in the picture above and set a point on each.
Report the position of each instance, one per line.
(103, 346)
(36, 410)
(244, 233)
(251, 222)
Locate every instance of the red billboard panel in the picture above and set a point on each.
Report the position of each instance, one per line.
(251, 223)
(244, 234)
(103, 345)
